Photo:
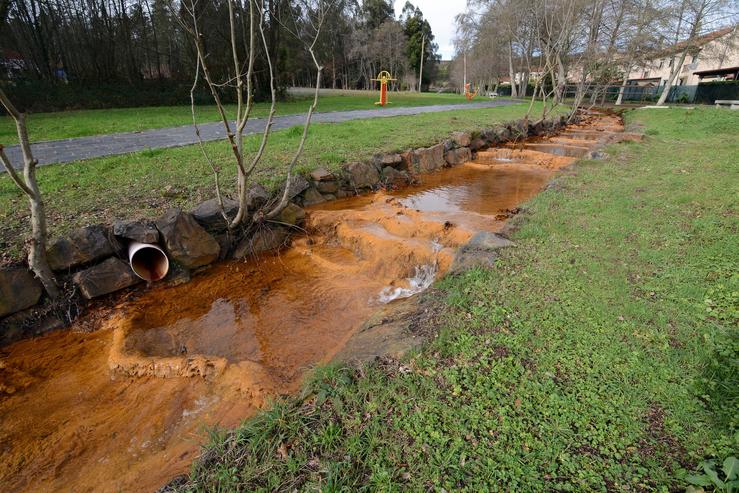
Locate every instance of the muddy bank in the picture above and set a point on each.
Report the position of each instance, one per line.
(125, 408)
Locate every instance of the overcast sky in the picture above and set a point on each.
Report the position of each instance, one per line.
(440, 14)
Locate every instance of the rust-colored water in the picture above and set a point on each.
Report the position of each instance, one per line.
(125, 408)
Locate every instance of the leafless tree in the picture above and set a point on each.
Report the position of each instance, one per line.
(642, 30)
(316, 13)
(388, 45)
(244, 23)
(29, 186)
(690, 18)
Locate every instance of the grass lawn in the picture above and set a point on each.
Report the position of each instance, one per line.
(68, 124)
(144, 184)
(599, 355)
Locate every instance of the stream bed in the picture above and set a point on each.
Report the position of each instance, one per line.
(126, 407)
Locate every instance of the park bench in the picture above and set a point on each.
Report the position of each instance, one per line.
(732, 104)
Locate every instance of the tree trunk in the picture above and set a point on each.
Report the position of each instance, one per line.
(622, 89)
(677, 66)
(514, 92)
(37, 253)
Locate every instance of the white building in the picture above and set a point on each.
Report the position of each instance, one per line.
(714, 56)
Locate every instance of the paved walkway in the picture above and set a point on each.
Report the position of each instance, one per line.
(67, 150)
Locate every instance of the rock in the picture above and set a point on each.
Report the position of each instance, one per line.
(19, 289)
(393, 160)
(537, 128)
(311, 196)
(256, 196)
(298, 184)
(480, 251)
(329, 197)
(429, 158)
(458, 156)
(342, 194)
(141, 231)
(596, 155)
(208, 214)
(185, 240)
(82, 246)
(176, 276)
(490, 136)
(465, 260)
(394, 178)
(478, 144)
(327, 186)
(488, 242)
(225, 242)
(105, 278)
(406, 161)
(462, 139)
(264, 240)
(503, 134)
(292, 214)
(31, 322)
(322, 174)
(520, 129)
(363, 175)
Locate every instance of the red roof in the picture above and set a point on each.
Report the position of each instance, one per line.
(8, 54)
(701, 40)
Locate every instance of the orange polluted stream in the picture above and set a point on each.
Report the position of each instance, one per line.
(125, 408)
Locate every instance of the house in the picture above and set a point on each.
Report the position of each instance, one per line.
(713, 56)
(12, 63)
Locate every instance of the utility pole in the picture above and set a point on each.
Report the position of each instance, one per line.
(420, 73)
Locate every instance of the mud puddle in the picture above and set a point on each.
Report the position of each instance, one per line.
(126, 408)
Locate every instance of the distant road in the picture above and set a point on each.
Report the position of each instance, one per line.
(68, 150)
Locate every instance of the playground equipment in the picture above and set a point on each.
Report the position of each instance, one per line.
(469, 95)
(383, 78)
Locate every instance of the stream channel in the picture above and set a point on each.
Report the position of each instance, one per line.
(125, 408)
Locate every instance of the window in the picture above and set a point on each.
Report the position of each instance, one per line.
(671, 61)
(694, 59)
(661, 63)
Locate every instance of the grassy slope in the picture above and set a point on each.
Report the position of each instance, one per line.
(586, 361)
(68, 124)
(146, 183)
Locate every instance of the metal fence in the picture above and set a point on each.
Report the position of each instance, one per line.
(706, 93)
(697, 94)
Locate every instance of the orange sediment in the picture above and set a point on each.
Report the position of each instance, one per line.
(125, 408)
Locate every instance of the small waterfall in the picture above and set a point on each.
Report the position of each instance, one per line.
(423, 277)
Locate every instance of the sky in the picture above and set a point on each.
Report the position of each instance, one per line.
(440, 14)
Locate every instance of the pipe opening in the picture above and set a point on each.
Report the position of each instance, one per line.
(148, 262)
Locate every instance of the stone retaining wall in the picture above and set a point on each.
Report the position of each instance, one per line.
(92, 262)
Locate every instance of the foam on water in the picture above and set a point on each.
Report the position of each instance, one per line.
(423, 278)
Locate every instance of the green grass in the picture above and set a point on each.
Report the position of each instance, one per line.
(69, 124)
(599, 355)
(144, 184)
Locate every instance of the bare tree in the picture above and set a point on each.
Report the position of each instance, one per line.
(29, 186)
(641, 18)
(692, 17)
(242, 82)
(316, 13)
